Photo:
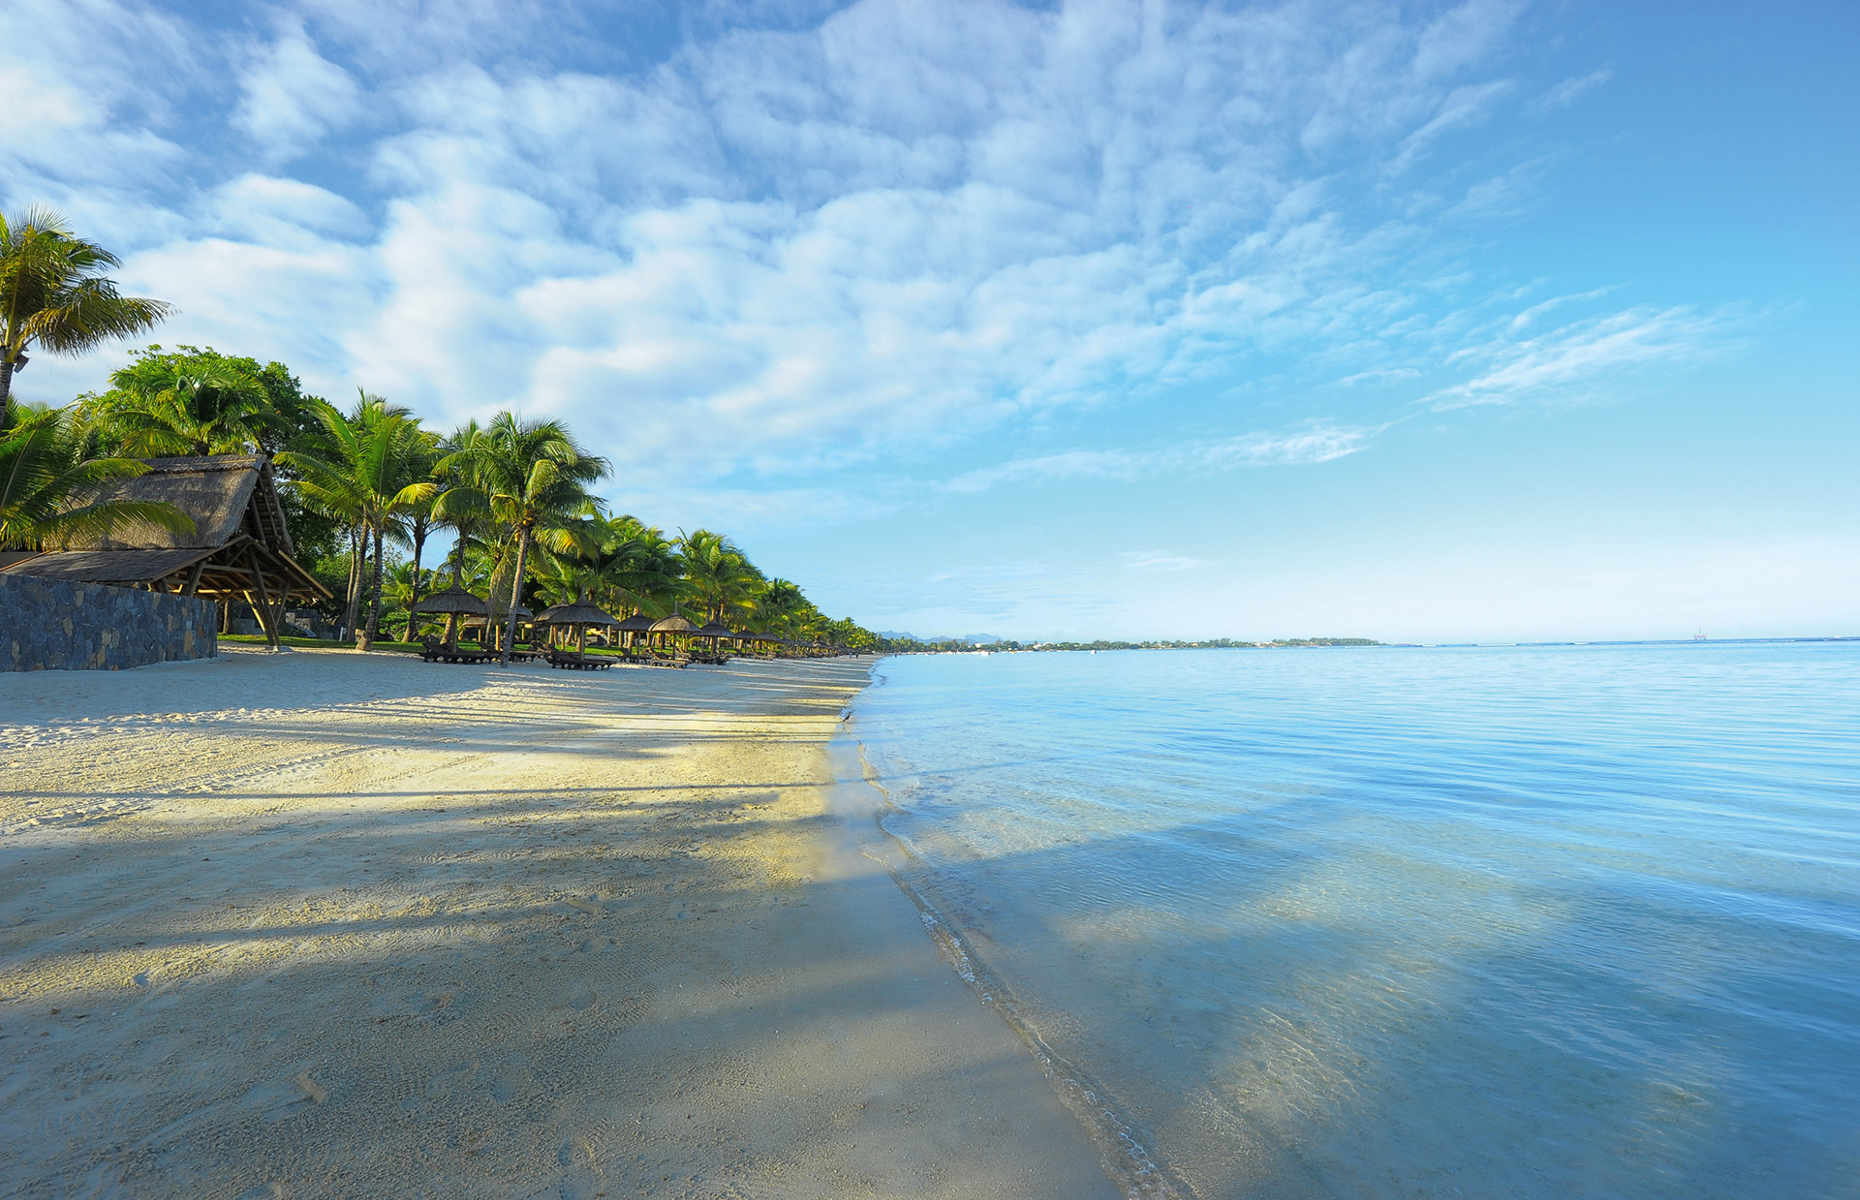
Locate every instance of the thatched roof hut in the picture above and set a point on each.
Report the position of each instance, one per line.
(240, 545)
(675, 623)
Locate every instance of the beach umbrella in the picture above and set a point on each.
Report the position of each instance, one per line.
(452, 600)
(633, 626)
(670, 627)
(716, 631)
(582, 614)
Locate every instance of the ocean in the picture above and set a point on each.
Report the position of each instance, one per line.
(1538, 921)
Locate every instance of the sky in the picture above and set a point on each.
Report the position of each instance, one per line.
(1486, 321)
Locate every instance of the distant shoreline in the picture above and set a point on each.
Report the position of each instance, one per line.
(1009, 647)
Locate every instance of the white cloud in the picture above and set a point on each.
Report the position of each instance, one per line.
(1531, 314)
(268, 209)
(1583, 353)
(1463, 107)
(1464, 35)
(291, 97)
(1320, 443)
(1147, 561)
(795, 240)
(1566, 93)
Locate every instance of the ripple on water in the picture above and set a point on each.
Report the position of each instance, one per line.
(1523, 921)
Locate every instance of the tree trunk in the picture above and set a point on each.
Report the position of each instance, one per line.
(355, 583)
(516, 594)
(6, 389)
(373, 629)
(419, 543)
(458, 575)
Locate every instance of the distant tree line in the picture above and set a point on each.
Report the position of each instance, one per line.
(365, 486)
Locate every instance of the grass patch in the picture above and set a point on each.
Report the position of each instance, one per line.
(254, 639)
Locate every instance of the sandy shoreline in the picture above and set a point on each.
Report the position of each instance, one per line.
(317, 924)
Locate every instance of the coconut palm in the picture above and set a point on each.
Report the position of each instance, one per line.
(54, 295)
(646, 569)
(370, 472)
(533, 479)
(422, 459)
(781, 604)
(717, 574)
(49, 484)
(458, 506)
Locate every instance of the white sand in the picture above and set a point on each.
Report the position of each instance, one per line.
(323, 924)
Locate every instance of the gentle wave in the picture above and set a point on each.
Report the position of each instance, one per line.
(1545, 921)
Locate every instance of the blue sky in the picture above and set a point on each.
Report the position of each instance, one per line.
(1487, 320)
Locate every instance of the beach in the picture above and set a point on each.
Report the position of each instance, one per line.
(328, 924)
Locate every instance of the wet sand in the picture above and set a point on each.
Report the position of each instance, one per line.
(322, 924)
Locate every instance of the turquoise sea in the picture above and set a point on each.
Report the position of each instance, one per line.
(1533, 922)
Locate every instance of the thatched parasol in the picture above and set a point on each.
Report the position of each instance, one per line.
(633, 626)
(668, 628)
(581, 614)
(453, 600)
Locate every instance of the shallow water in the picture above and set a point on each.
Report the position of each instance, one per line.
(1560, 921)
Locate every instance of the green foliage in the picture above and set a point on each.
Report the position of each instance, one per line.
(516, 495)
(194, 400)
(55, 294)
(49, 480)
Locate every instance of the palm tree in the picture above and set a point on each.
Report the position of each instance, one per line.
(533, 479)
(156, 406)
(781, 603)
(458, 505)
(401, 587)
(422, 458)
(370, 475)
(717, 574)
(49, 484)
(53, 294)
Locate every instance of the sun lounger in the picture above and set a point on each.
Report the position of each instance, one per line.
(582, 662)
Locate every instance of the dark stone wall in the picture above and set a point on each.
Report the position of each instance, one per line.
(47, 625)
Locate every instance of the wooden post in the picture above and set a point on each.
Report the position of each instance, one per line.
(267, 617)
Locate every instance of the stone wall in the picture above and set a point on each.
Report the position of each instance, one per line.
(47, 625)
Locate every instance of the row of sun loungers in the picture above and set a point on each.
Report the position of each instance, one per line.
(580, 662)
(435, 651)
(432, 650)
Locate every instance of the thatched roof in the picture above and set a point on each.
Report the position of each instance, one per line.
(453, 600)
(637, 623)
(239, 542)
(579, 613)
(226, 495)
(675, 623)
(714, 629)
(104, 566)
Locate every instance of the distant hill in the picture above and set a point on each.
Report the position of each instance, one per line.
(973, 639)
